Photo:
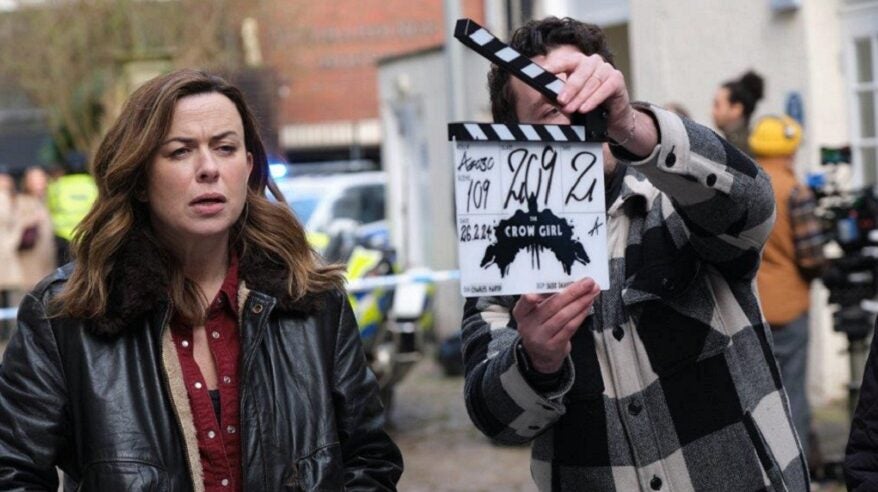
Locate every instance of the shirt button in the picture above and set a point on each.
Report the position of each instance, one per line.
(225, 482)
(215, 335)
(257, 308)
(227, 380)
(634, 408)
(185, 343)
(197, 385)
(231, 429)
(211, 434)
(618, 333)
(655, 483)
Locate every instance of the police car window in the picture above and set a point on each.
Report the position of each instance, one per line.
(346, 207)
(373, 203)
(363, 204)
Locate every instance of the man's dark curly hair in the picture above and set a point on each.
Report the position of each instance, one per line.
(538, 37)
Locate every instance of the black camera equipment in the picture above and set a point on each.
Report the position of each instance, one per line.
(850, 219)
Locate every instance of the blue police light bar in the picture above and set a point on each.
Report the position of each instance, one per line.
(277, 170)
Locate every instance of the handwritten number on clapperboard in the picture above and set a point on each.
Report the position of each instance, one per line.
(477, 195)
(475, 232)
(589, 195)
(522, 159)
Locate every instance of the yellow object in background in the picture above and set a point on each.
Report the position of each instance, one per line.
(318, 240)
(774, 136)
(69, 198)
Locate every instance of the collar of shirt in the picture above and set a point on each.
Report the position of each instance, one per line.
(228, 293)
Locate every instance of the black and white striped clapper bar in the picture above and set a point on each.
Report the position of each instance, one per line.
(486, 44)
(496, 132)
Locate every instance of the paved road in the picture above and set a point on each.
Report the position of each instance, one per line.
(441, 448)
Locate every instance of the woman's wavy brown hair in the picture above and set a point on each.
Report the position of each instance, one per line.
(120, 170)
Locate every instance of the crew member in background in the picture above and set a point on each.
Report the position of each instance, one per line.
(36, 249)
(69, 198)
(10, 232)
(733, 105)
(792, 258)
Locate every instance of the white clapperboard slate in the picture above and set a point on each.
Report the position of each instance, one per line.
(531, 214)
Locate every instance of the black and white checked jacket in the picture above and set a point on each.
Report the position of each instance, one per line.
(671, 384)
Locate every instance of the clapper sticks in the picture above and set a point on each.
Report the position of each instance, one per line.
(480, 40)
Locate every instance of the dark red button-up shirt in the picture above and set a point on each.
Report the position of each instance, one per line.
(219, 443)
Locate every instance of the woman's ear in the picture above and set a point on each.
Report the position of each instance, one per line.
(141, 196)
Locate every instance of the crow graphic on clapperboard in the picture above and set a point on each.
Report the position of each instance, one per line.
(533, 231)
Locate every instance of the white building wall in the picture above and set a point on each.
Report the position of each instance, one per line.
(682, 50)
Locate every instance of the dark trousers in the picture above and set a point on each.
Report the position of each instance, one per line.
(791, 352)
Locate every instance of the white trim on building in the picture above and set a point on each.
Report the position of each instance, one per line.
(333, 134)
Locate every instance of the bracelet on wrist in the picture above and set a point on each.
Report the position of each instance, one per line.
(630, 132)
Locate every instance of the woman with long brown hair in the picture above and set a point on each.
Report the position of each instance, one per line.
(196, 342)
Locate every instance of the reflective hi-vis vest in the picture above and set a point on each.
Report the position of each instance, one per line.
(69, 198)
(367, 306)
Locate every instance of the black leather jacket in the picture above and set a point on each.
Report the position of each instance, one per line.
(861, 454)
(103, 399)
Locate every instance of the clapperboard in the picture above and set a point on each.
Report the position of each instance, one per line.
(530, 204)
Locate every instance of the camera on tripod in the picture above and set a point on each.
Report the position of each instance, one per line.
(850, 219)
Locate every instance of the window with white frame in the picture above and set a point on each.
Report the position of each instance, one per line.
(863, 83)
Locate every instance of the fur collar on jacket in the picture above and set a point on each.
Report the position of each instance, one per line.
(139, 283)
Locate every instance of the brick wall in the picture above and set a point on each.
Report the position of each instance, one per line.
(324, 52)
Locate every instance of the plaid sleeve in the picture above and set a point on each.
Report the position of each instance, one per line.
(715, 198)
(499, 399)
(807, 233)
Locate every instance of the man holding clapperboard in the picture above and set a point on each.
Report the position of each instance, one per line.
(660, 374)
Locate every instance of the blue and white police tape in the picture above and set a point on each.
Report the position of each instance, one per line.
(415, 275)
(423, 276)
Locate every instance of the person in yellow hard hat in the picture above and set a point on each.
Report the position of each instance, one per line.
(793, 256)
